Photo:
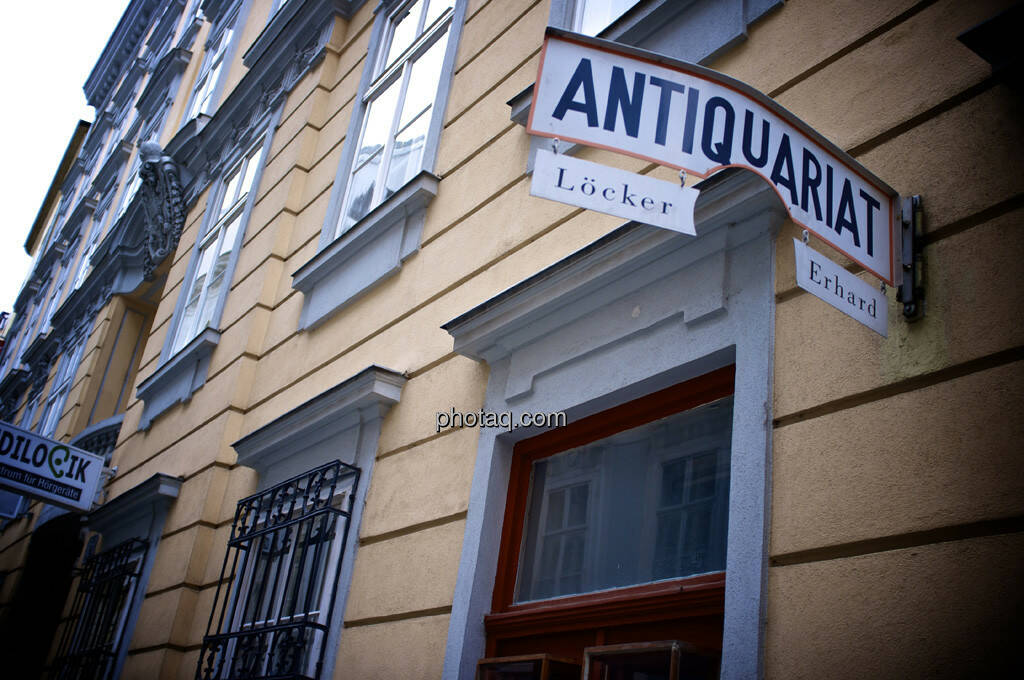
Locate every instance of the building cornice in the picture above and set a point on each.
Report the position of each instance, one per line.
(202, 147)
(170, 67)
(494, 328)
(156, 493)
(70, 155)
(123, 46)
(364, 397)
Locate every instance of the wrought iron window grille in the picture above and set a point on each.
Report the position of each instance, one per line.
(92, 638)
(275, 600)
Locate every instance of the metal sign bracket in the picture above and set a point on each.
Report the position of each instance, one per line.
(911, 291)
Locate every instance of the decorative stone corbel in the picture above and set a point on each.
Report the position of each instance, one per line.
(164, 205)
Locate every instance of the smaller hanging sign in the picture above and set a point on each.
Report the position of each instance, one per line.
(848, 293)
(615, 192)
(48, 470)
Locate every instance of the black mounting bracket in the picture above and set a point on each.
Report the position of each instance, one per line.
(911, 291)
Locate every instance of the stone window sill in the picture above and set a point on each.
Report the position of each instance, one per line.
(371, 251)
(178, 378)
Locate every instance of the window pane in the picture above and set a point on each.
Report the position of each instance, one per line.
(360, 195)
(187, 327)
(434, 10)
(599, 14)
(252, 164)
(217, 276)
(379, 117)
(230, 192)
(645, 504)
(426, 72)
(405, 31)
(407, 154)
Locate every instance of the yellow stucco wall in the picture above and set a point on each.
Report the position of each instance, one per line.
(896, 462)
(893, 462)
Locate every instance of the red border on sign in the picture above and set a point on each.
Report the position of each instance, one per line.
(750, 93)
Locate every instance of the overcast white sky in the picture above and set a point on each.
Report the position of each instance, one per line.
(47, 50)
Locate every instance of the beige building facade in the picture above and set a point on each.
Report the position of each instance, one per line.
(297, 248)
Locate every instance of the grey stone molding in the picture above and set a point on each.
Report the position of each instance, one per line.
(364, 397)
(139, 513)
(177, 378)
(156, 493)
(100, 438)
(203, 147)
(123, 45)
(113, 164)
(214, 10)
(371, 251)
(636, 311)
(344, 424)
(11, 389)
(162, 32)
(85, 208)
(163, 204)
(158, 91)
(296, 18)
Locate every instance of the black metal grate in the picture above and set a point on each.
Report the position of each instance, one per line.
(275, 600)
(106, 588)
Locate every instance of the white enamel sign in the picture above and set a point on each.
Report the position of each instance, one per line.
(851, 295)
(616, 192)
(606, 95)
(48, 470)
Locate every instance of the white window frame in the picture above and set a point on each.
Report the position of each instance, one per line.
(384, 76)
(58, 396)
(92, 241)
(60, 281)
(206, 87)
(230, 204)
(591, 17)
(28, 334)
(588, 530)
(132, 183)
(245, 584)
(25, 422)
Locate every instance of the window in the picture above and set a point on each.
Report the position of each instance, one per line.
(29, 333)
(593, 16)
(55, 295)
(399, 106)
(214, 257)
(625, 506)
(579, 536)
(29, 414)
(59, 392)
(91, 641)
(273, 609)
(92, 242)
(11, 505)
(132, 188)
(209, 74)
(277, 7)
(9, 348)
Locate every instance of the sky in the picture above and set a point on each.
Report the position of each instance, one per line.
(47, 50)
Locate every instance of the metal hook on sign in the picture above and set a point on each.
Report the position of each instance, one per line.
(882, 288)
(806, 237)
(682, 178)
(554, 144)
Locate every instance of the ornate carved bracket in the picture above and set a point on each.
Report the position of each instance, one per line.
(163, 203)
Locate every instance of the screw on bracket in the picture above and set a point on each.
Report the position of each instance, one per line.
(911, 292)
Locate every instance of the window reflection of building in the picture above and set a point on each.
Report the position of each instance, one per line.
(646, 504)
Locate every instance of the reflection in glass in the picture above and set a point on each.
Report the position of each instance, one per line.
(361, 191)
(646, 504)
(405, 31)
